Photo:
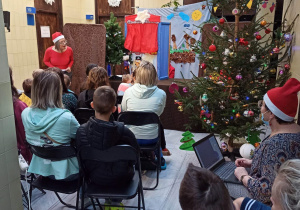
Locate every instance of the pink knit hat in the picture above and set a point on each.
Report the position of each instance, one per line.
(283, 101)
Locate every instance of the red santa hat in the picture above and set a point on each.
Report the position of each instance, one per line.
(57, 36)
(283, 101)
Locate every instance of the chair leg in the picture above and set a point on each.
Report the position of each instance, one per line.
(42, 191)
(142, 196)
(98, 202)
(25, 196)
(94, 207)
(77, 199)
(139, 197)
(82, 197)
(30, 189)
(68, 205)
(158, 169)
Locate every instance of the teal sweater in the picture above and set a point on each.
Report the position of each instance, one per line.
(60, 125)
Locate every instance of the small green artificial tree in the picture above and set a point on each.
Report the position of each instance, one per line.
(240, 69)
(187, 141)
(114, 43)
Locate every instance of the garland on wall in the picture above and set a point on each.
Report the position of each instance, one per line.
(49, 2)
(114, 3)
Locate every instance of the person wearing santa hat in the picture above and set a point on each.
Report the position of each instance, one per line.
(278, 110)
(59, 55)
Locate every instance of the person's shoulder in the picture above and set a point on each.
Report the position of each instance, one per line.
(69, 95)
(251, 204)
(284, 137)
(69, 49)
(26, 111)
(82, 128)
(66, 115)
(19, 103)
(160, 91)
(49, 49)
(81, 94)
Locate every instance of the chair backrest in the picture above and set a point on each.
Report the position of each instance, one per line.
(111, 155)
(83, 114)
(54, 153)
(119, 99)
(138, 118)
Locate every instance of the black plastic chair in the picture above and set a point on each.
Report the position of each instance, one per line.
(114, 154)
(83, 114)
(144, 118)
(57, 186)
(119, 99)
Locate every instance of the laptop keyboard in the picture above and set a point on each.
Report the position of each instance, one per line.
(225, 170)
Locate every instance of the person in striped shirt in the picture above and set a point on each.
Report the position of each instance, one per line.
(285, 190)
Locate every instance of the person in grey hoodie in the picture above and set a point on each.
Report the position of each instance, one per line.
(145, 96)
(47, 123)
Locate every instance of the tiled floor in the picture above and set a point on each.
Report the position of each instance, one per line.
(165, 196)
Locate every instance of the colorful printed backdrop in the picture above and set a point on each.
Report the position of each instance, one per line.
(183, 21)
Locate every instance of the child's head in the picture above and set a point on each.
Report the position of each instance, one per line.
(27, 83)
(286, 187)
(104, 100)
(97, 77)
(89, 67)
(202, 189)
(126, 78)
(67, 80)
(146, 74)
(36, 72)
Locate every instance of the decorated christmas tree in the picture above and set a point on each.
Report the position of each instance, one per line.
(240, 64)
(114, 43)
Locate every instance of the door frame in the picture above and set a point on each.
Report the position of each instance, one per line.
(48, 9)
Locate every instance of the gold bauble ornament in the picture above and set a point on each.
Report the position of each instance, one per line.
(180, 108)
(195, 32)
(263, 23)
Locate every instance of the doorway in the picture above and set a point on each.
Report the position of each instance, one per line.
(49, 16)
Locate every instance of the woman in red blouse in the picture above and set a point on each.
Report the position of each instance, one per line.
(59, 55)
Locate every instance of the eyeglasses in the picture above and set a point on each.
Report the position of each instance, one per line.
(260, 103)
(63, 42)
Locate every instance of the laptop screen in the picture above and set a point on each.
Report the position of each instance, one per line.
(208, 152)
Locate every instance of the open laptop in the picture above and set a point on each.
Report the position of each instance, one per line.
(210, 157)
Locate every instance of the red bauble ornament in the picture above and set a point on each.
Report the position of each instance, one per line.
(212, 48)
(276, 50)
(267, 31)
(250, 113)
(258, 37)
(222, 21)
(203, 66)
(246, 43)
(242, 41)
(287, 67)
